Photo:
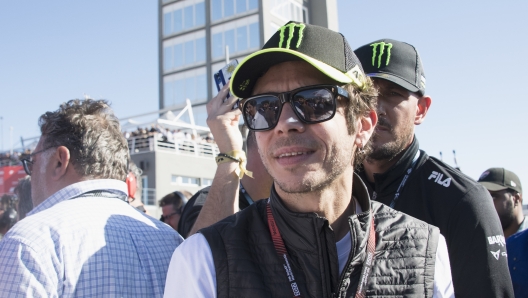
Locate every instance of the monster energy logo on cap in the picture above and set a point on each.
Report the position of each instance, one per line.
(375, 54)
(291, 27)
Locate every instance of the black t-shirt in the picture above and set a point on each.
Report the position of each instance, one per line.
(194, 206)
(463, 210)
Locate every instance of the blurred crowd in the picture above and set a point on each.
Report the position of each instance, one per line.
(168, 135)
(8, 159)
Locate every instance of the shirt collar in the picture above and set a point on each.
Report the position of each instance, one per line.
(73, 190)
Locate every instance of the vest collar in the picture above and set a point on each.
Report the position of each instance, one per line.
(302, 231)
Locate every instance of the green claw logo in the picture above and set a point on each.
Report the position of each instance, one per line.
(291, 27)
(382, 45)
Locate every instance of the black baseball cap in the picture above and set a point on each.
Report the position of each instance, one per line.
(394, 61)
(326, 50)
(496, 179)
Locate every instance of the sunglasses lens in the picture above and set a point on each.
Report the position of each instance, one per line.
(261, 113)
(314, 105)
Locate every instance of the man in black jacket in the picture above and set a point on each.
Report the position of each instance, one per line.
(407, 179)
(318, 235)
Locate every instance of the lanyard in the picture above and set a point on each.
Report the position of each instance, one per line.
(283, 254)
(102, 193)
(369, 260)
(402, 183)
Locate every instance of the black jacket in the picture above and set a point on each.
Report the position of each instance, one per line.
(247, 264)
(463, 210)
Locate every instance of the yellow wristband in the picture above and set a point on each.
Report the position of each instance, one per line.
(235, 156)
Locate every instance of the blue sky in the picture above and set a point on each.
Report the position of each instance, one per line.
(474, 55)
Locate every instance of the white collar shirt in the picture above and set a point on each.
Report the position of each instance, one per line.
(77, 246)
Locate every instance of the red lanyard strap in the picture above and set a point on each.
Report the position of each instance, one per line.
(281, 251)
(369, 260)
(283, 254)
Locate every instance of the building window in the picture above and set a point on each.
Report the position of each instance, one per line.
(190, 85)
(184, 180)
(240, 36)
(207, 182)
(183, 15)
(289, 10)
(184, 51)
(221, 9)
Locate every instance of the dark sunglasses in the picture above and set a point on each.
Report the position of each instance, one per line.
(28, 164)
(311, 104)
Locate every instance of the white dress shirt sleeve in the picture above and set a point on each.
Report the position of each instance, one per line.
(191, 270)
(24, 273)
(443, 285)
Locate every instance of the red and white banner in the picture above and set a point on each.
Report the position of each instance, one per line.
(9, 176)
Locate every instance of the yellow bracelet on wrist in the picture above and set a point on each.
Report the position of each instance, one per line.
(235, 156)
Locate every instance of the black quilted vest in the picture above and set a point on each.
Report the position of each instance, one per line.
(247, 264)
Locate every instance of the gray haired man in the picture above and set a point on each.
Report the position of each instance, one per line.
(83, 239)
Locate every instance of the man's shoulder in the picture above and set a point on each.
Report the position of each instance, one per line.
(240, 220)
(518, 239)
(72, 218)
(394, 217)
(442, 180)
(198, 199)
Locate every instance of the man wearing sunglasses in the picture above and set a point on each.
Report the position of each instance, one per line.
(83, 239)
(318, 235)
(405, 178)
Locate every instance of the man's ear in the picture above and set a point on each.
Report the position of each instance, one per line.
(365, 128)
(61, 161)
(517, 198)
(423, 105)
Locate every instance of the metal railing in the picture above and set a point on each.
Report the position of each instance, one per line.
(186, 147)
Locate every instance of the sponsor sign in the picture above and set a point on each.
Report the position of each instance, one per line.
(9, 176)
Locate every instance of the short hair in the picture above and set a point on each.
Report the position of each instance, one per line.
(92, 134)
(252, 102)
(23, 192)
(361, 102)
(177, 199)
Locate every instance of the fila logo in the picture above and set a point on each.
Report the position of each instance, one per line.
(496, 254)
(291, 30)
(438, 179)
(382, 45)
(499, 239)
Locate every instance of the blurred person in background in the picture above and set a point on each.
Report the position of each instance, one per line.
(506, 190)
(172, 206)
(517, 246)
(23, 192)
(83, 239)
(9, 214)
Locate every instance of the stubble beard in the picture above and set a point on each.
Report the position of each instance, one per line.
(508, 217)
(389, 150)
(335, 166)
